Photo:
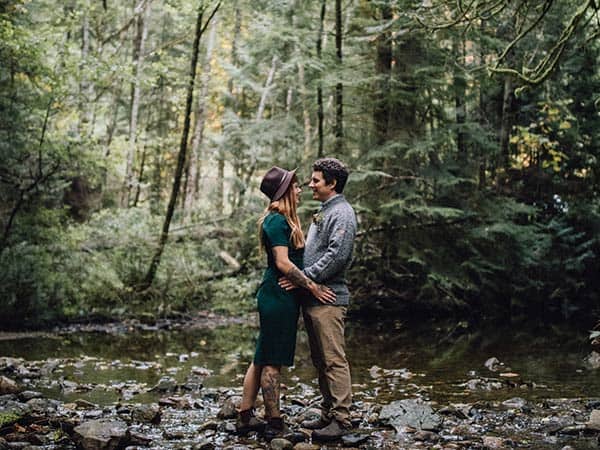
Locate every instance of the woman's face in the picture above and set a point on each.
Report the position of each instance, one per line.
(297, 190)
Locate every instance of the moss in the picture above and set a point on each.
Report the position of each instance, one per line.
(6, 418)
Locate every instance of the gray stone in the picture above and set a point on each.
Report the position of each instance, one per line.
(165, 384)
(306, 446)
(43, 405)
(29, 395)
(592, 361)
(280, 444)
(100, 434)
(515, 402)
(594, 422)
(493, 442)
(492, 364)
(11, 411)
(410, 413)
(146, 414)
(354, 439)
(204, 445)
(139, 439)
(428, 436)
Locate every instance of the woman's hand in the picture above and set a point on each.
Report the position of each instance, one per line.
(322, 293)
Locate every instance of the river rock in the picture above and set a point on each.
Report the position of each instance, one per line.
(492, 364)
(204, 445)
(516, 402)
(280, 444)
(146, 414)
(482, 384)
(493, 442)
(594, 422)
(354, 439)
(8, 386)
(28, 395)
(412, 413)
(11, 411)
(165, 384)
(100, 434)
(306, 446)
(230, 407)
(592, 360)
(43, 405)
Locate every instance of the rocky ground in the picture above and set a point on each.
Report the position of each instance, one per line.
(392, 411)
(190, 416)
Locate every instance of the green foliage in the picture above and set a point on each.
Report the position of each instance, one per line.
(448, 221)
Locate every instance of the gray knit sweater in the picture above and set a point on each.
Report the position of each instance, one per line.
(329, 245)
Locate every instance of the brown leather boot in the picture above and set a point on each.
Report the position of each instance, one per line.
(247, 422)
(315, 424)
(331, 432)
(276, 428)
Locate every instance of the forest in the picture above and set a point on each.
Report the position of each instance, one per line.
(134, 135)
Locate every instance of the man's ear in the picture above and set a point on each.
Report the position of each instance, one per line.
(333, 183)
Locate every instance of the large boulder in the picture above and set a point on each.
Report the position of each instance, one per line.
(412, 413)
(101, 434)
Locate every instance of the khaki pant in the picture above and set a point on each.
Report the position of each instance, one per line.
(325, 328)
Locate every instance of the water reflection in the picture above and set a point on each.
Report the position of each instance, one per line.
(436, 359)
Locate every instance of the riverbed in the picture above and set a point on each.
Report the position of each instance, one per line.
(452, 363)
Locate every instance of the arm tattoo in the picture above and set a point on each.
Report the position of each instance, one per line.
(298, 278)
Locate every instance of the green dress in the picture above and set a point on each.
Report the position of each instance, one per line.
(278, 309)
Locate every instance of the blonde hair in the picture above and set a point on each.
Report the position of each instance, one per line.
(285, 206)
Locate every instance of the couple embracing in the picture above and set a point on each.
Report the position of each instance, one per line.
(305, 275)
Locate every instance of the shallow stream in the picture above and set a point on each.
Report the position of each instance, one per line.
(536, 361)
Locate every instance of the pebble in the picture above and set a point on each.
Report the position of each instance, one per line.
(281, 444)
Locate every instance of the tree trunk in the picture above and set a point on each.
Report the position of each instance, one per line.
(249, 171)
(86, 87)
(305, 112)
(339, 88)
(460, 90)
(193, 182)
(234, 104)
(182, 152)
(138, 57)
(320, 115)
(507, 121)
(265, 93)
(383, 68)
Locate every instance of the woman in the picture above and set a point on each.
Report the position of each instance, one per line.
(281, 236)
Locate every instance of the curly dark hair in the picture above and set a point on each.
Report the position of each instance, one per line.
(333, 169)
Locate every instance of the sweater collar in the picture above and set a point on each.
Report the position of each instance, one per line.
(332, 200)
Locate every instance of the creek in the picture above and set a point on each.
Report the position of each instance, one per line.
(544, 360)
(497, 385)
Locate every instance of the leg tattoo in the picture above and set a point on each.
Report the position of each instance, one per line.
(270, 384)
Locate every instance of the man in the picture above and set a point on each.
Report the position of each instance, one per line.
(327, 255)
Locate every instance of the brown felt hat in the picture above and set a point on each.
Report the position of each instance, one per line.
(276, 181)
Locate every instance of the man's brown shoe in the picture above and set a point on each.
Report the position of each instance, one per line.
(315, 424)
(331, 432)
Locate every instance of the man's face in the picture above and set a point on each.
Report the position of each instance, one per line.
(320, 189)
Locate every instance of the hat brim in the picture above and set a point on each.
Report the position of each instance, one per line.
(285, 184)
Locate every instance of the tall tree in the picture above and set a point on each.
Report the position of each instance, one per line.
(194, 166)
(320, 113)
(200, 28)
(142, 13)
(339, 87)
